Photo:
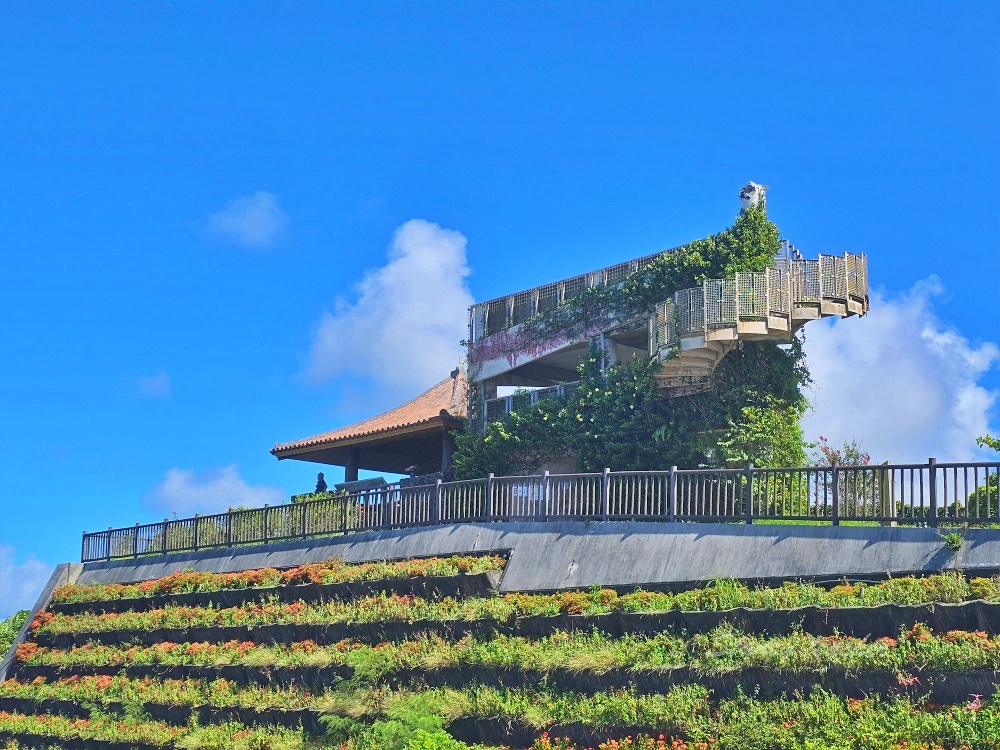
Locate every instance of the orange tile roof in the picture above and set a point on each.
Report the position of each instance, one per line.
(446, 402)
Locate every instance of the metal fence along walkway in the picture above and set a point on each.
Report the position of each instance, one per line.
(927, 494)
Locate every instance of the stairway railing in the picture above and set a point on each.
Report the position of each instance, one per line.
(774, 293)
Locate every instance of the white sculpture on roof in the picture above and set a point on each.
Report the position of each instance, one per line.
(751, 195)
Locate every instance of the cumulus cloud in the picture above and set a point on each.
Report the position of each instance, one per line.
(186, 492)
(255, 221)
(155, 386)
(20, 583)
(404, 326)
(901, 381)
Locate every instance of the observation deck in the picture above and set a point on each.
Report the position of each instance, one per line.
(690, 332)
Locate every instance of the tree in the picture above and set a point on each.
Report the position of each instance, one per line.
(985, 499)
(988, 442)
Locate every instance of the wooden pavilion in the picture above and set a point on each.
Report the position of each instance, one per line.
(414, 438)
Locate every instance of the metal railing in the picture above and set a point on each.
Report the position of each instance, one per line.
(495, 315)
(929, 494)
(792, 281)
(497, 408)
(776, 292)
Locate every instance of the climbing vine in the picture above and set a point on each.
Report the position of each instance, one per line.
(750, 244)
(616, 418)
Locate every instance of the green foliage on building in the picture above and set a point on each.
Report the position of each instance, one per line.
(616, 418)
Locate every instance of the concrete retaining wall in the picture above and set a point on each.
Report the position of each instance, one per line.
(64, 575)
(574, 554)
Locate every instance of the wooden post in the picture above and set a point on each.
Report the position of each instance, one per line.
(606, 494)
(932, 479)
(266, 506)
(748, 493)
(109, 541)
(351, 465)
(196, 524)
(836, 494)
(672, 495)
(303, 507)
(885, 495)
(435, 514)
(229, 527)
(166, 525)
(545, 495)
(489, 496)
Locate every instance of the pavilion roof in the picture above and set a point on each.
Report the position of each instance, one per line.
(440, 406)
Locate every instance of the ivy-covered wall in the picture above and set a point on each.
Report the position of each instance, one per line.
(617, 419)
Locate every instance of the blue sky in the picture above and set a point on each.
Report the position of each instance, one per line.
(188, 190)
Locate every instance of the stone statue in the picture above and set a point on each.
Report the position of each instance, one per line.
(320, 483)
(751, 195)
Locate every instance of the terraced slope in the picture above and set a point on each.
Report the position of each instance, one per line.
(424, 655)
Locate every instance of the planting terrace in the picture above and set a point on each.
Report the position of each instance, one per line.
(420, 652)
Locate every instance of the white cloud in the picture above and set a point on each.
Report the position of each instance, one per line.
(404, 328)
(20, 583)
(186, 492)
(901, 381)
(255, 221)
(155, 386)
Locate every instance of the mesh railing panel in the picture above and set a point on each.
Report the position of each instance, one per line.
(521, 307)
(496, 317)
(806, 281)
(573, 287)
(834, 276)
(752, 290)
(690, 310)
(777, 291)
(664, 326)
(614, 274)
(720, 297)
(548, 297)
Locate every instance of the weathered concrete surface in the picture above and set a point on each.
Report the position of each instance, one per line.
(64, 575)
(574, 554)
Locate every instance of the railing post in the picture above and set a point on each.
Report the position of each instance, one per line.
(836, 494)
(109, 542)
(135, 541)
(672, 495)
(196, 524)
(386, 508)
(489, 496)
(606, 494)
(436, 504)
(229, 527)
(83, 547)
(266, 509)
(166, 524)
(748, 493)
(545, 495)
(932, 485)
(887, 502)
(303, 507)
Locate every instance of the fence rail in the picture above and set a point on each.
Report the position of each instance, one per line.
(929, 494)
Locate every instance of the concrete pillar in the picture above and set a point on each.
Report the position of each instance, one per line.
(351, 467)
